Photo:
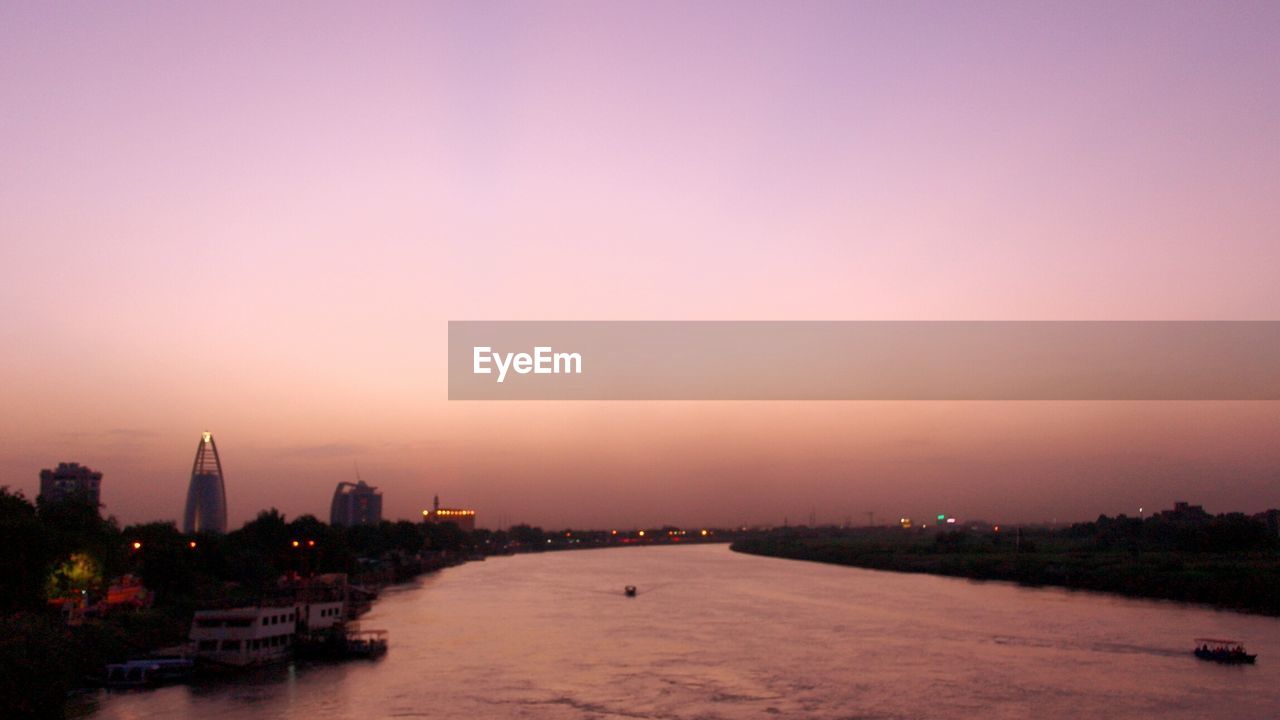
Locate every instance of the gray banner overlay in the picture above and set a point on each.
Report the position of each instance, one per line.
(980, 360)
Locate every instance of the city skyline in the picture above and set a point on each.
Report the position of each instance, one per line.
(222, 217)
(831, 515)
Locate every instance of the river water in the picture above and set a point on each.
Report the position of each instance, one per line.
(716, 634)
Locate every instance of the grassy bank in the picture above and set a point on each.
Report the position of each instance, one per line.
(1247, 581)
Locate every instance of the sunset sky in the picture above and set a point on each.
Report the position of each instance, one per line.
(258, 219)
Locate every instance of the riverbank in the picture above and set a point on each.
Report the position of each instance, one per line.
(1241, 581)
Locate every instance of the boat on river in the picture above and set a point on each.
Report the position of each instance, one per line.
(366, 643)
(245, 636)
(630, 590)
(342, 642)
(148, 672)
(1227, 652)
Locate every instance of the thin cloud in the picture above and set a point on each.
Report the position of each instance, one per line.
(335, 449)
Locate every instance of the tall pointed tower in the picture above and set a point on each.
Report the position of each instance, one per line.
(206, 496)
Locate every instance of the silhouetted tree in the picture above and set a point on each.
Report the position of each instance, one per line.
(26, 555)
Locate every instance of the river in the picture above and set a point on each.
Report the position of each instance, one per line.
(716, 634)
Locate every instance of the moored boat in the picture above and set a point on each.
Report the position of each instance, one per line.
(245, 636)
(366, 643)
(148, 671)
(342, 642)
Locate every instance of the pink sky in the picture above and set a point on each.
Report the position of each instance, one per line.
(257, 220)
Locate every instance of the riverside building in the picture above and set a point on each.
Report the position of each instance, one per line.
(464, 518)
(71, 481)
(355, 504)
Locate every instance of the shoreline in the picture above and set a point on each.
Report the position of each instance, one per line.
(404, 575)
(1237, 583)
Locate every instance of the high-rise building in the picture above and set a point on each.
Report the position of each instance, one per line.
(464, 518)
(207, 494)
(70, 481)
(355, 504)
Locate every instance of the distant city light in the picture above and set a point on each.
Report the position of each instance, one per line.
(951, 521)
(137, 545)
(193, 543)
(296, 543)
(941, 518)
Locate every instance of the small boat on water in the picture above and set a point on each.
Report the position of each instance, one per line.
(366, 643)
(1227, 652)
(630, 590)
(341, 643)
(149, 671)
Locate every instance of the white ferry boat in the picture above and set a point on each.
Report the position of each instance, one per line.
(246, 636)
